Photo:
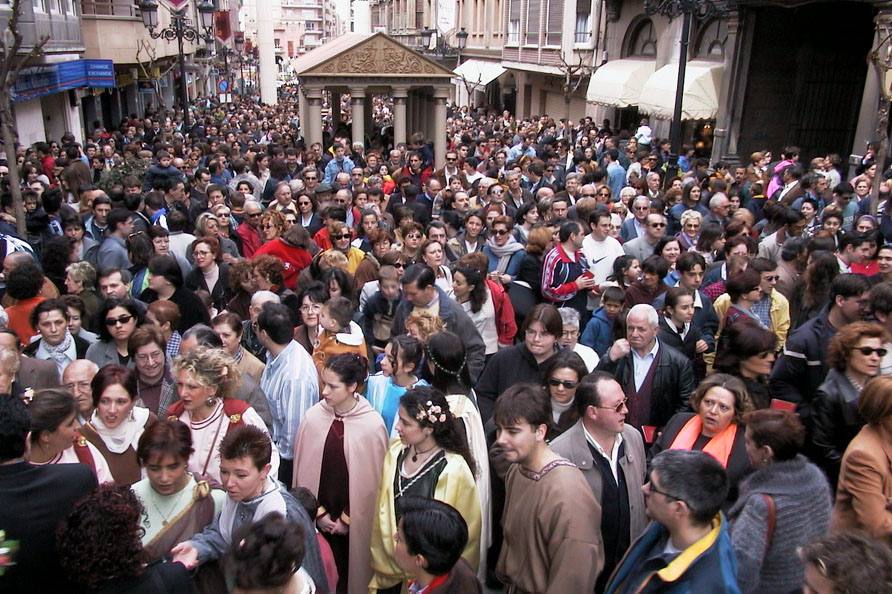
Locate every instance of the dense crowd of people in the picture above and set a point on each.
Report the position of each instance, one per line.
(232, 361)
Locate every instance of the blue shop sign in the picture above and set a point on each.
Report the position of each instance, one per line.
(47, 79)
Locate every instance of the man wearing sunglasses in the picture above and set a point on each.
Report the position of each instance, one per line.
(610, 455)
(772, 309)
(687, 547)
(249, 230)
(643, 246)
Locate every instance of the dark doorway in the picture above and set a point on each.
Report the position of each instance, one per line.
(806, 78)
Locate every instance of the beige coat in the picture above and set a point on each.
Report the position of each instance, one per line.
(865, 485)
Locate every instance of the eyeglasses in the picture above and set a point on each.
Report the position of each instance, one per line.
(773, 277)
(253, 215)
(868, 351)
(589, 195)
(500, 232)
(156, 356)
(268, 226)
(342, 236)
(452, 158)
(565, 383)
(399, 265)
(314, 308)
(656, 225)
(305, 203)
(197, 253)
(310, 177)
(619, 406)
(641, 208)
(652, 489)
(119, 320)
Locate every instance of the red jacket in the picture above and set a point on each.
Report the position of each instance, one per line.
(294, 258)
(250, 239)
(506, 326)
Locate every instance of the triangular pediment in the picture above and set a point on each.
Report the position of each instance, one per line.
(375, 55)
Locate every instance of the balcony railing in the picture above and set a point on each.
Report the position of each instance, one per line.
(121, 8)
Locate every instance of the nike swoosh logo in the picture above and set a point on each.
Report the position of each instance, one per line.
(599, 259)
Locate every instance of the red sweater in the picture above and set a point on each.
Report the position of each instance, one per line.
(295, 259)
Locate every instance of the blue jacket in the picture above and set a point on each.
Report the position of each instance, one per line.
(335, 167)
(513, 262)
(598, 333)
(708, 565)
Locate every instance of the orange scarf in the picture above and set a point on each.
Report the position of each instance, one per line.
(719, 446)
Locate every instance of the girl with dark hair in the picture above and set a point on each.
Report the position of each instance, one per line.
(117, 424)
(650, 286)
(176, 504)
(473, 295)
(55, 438)
(338, 283)
(140, 251)
(400, 371)
(118, 319)
(813, 294)
(267, 556)
(626, 270)
(746, 350)
(100, 548)
(677, 331)
(561, 375)
(431, 459)
(166, 283)
(341, 441)
(447, 363)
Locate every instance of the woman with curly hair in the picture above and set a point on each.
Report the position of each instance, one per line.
(102, 563)
(241, 287)
(431, 459)
(341, 441)
(206, 380)
(268, 556)
(272, 224)
(292, 248)
(211, 273)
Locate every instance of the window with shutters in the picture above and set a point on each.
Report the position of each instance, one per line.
(534, 20)
(514, 21)
(583, 21)
(554, 26)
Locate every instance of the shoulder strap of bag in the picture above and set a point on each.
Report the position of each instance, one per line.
(772, 520)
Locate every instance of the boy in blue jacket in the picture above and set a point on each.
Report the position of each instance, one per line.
(598, 333)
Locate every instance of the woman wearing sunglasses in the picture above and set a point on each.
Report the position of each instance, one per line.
(854, 358)
(118, 318)
(341, 238)
(503, 251)
(746, 350)
(562, 374)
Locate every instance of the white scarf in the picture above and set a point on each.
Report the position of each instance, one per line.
(118, 439)
(270, 500)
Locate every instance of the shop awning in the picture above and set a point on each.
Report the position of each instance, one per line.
(479, 72)
(701, 91)
(618, 83)
(47, 79)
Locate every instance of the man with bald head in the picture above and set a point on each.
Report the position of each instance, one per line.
(77, 378)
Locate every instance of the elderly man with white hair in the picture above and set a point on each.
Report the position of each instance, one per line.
(656, 378)
(719, 206)
(570, 338)
(250, 341)
(636, 225)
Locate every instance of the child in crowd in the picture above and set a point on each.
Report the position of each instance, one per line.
(308, 501)
(339, 333)
(379, 311)
(598, 333)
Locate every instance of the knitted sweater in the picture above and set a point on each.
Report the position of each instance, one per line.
(803, 503)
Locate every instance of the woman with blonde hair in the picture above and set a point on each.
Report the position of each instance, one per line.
(206, 380)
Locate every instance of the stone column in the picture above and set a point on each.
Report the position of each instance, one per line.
(411, 112)
(439, 132)
(369, 113)
(357, 101)
(400, 94)
(335, 111)
(304, 113)
(314, 112)
(730, 78)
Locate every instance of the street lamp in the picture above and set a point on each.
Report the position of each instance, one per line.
(702, 10)
(881, 59)
(441, 48)
(181, 30)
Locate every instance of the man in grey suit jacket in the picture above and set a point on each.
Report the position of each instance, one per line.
(610, 455)
(643, 246)
(32, 373)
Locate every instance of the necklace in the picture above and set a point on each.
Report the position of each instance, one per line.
(858, 385)
(165, 518)
(416, 452)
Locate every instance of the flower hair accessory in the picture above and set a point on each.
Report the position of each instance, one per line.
(432, 413)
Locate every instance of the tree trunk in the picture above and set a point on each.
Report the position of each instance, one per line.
(7, 130)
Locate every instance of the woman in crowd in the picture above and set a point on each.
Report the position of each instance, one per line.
(526, 290)
(746, 350)
(241, 287)
(210, 274)
(119, 319)
(789, 491)
(744, 291)
(470, 239)
(410, 237)
(23, 285)
(711, 242)
(166, 284)
(229, 328)
(117, 423)
(80, 280)
(341, 441)
(669, 248)
(77, 315)
(503, 251)
(379, 241)
(55, 438)
(165, 315)
(206, 380)
(311, 299)
(292, 249)
(176, 505)
(865, 477)
(473, 295)
(307, 216)
(272, 225)
(676, 329)
(650, 286)
(341, 239)
(367, 221)
(400, 371)
(445, 356)
(433, 256)
(268, 557)
(835, 562)
(561, 375)
(691, 221)
(522, 362)
(139, 251)
(431, 459)
(526, 218)
(719, 402)
(626, 270)
(854, 358)
(154, 387)
(120, 564)
(813, 293)
(208, 225)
